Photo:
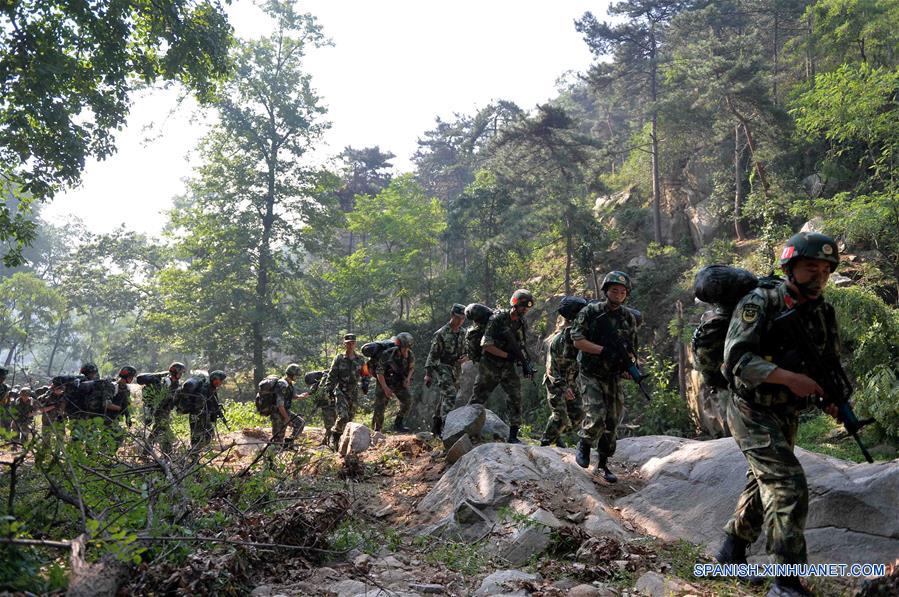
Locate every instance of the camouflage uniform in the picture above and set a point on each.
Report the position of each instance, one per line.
(285, 392)
(5, 406)
(394, 367)
(599, 380)
(122, 399)
(343, 384)
(322, 399)
(763, 419)
(23, 411)
(163, 398)
(561, 375)
(442, 364)
(493, 371)
(202, 424)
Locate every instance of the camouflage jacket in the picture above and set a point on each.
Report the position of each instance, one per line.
(122, 399)
(394, 367)
(473, 337)
(748, 354)
(561, 362)
(502, 331)
(284, 392)
(595, 323)
(447, 348)
(344, 375)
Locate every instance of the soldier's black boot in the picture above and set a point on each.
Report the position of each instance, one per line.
(788, 586)
(513, 435)
(582, 454)
(437, 425)
(602, 466)
(560, 442)
(733, 551)
(544, 442)
(326, 439)
(398, 425)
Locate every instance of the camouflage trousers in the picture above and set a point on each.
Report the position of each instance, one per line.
(603, 403)
(279, 425)
(493, 372)
(447, 386)
(161, 432)
(565, 416)
(403, 397)
(776, 491)
(329, 412)
(345, 408)
(201, 430)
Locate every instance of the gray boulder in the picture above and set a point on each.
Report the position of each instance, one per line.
(526, 543)
(356, 439)
(503, 582)
(462, 447)
(494, 429)
(468, 419)
(691, 488)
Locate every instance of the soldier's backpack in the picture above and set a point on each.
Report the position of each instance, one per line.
(150, 379)
(189, 399)
(88, 398)
(372, 350)
(479, 313)
(722, 286)
(265, 395)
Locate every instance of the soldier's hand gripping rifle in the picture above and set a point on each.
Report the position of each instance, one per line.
(620, 353)
(825, 369)
(520, 356)
(217, 410)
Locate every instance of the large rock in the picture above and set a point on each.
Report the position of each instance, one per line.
(467, 419)
(525, 544)
(494, 429)
(523, 478)
(503, 582)
(462, 447)
(356, 439)
(704, 223)
(692, 487)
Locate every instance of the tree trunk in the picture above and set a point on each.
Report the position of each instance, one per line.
(681, 355)
(654, 140)
(738, 186)
(262, 274)
(56, 341)
(10, 354)
(568, 251)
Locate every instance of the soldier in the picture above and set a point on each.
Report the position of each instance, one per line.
(118, 407)
(394, 374)
(763, 413)
(343, 384)
(444, 365)
(560, 378)
(159, 401)
(504, 345)
(89, 372)
(202, 423)
(316, 381)
(23, 412)
(5, 401)
(478, 315)
(282, 418)
(603, 327)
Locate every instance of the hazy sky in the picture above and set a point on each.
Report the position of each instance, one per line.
(394, 67)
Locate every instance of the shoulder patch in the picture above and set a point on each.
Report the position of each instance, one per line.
(750, 313)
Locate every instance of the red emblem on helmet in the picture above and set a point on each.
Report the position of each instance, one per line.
(788, 252)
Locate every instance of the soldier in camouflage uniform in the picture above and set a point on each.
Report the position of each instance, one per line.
(118, 408)
(343, 384)
(763, 413)
(597, 325)
(560, 378)
(23, 410)
(317, 382)
(444, 365)
(159, 401)
(281, 417)
(504, 345)
(5, 401)
(394, 374)
(202, 424)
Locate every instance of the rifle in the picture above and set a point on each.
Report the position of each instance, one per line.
(217, 411)
(825, 369)
(521, 357)
(621, 354)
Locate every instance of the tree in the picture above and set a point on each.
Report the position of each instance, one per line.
(636, 45)
(27, 308)
(67, 70)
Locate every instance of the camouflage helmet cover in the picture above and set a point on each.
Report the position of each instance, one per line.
(293, 370)
(404, 339)
(88, 369)
(177, 367)
(127, 371)
(810, 245)
(617, 277)
(522, 297)
(218, 374)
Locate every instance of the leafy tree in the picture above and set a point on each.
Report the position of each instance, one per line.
(67, 70)
(28, 306)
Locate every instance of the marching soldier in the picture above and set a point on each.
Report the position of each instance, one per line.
(343, 384)
(285, 392)
(444, 365)
(394, 375)
(560, 378)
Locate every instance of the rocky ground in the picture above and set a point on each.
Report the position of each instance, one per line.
(396, 518)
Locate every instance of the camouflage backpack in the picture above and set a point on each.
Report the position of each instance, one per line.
(265, 395)
(722, 286)
(189, 399)
(88, 398)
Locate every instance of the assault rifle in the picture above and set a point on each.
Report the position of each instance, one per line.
(520, 355)
(620, 353)
(825, 369)
(216, 410)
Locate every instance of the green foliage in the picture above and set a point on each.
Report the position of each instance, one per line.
(666, 413)
(467, 558)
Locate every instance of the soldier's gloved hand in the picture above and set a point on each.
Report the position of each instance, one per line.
(428, 380)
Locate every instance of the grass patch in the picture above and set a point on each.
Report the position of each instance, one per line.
(816, 428)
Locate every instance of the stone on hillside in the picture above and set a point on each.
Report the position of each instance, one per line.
(427, 588)
(494, 475)
(691, 488)
(653, 584)
(349, 588)
(591, 591)
(468, 419)
(816, 224)
(841, 280)
(494, 429)
(356, 439)
(261, 591)
(462, 446)
(638, 262)
(526, 543)
(503, 582)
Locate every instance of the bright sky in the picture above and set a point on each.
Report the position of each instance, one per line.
(395, 66)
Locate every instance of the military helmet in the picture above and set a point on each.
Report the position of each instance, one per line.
(404, 339)
(617, 277)
(25, 390)
(177, 367)
(89, 369)
(571, 306)
(522, 297)
(811, 245)
(127, 371)
(218, 374)
(458, 309)
(293, 369)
